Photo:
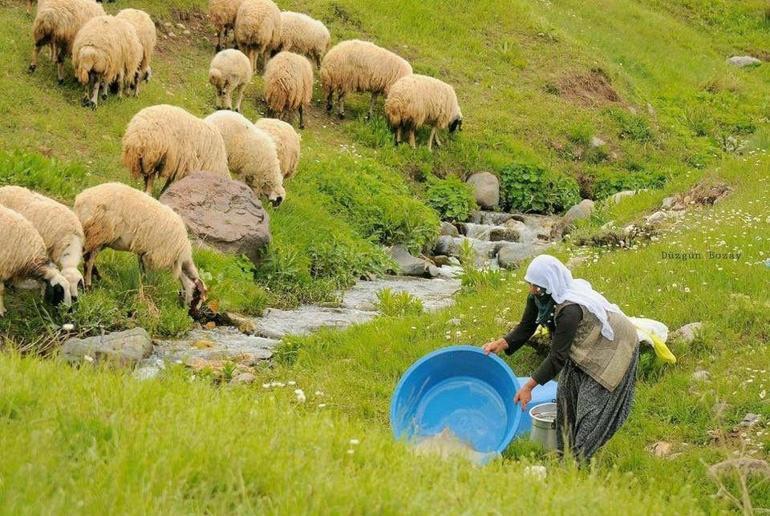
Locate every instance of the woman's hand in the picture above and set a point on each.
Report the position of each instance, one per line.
(496, 346)
(524, 396)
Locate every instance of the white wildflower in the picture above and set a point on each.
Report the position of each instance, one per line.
(355, 442)
(88, 358)
(300, 395)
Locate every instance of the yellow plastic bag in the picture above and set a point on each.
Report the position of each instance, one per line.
(655, 334)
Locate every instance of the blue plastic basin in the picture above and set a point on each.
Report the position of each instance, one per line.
(461, 389)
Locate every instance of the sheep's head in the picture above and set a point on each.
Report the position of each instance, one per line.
(276, 195)
(456, 124)
(57, 290)
(199, 297)
(75, 279)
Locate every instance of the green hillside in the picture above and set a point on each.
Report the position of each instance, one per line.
(537, 82)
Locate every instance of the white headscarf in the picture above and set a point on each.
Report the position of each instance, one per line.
(549, 273)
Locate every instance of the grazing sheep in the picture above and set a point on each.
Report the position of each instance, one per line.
(287, 143)
(148, 37)
(288, 85)
(222, 14)
(23, 256)
(230, 72)
(57, 22)
(59, 228)
(359, 66)
(257, 29)
(167, 141)
(107, 50)
(251, 154)
(418, 100)
(119, 217)
(303, 35)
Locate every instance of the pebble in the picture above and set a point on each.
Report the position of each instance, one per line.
(701, 375)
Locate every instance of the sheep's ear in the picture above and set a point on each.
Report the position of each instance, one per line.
(54, 294)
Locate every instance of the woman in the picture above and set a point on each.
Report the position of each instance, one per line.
(593, 345)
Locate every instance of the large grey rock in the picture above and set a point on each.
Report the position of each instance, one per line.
(656, 218)
(504, 233)
(512, 254)
(668, 203)
(743, 61)
(687, 333)
(486, 187)
(409, 265)
(445, 245)
(221, 343)
(434, 294)
(125, 348)
(616, 198)
(580, 211)
(447, 228)
(221, 213)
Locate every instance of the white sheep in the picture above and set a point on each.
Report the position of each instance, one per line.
(288, 85)
(287, 143)
(251, 154)
(106, 50)
(167, 141)
(359, 66)
(257, 29)
(222, 14)
(148, 37)
(418, 100)
(23, 256)
(230, 72)
(56, 24)
(119, 217)
(304, 35)
(59, 228)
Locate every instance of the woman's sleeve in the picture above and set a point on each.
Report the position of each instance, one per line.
(524, 330)
(566, 327)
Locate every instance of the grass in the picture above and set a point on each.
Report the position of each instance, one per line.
(536, 85)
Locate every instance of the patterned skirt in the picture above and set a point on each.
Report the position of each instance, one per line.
(587, 414)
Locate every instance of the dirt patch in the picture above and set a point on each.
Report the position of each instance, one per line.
(705, 193)
(593, 88)
(184, 28)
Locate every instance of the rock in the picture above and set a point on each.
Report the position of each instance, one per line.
(656, 218)
(668, 203)
(486, 187)
(660, 449)
(223, 343)
(447, 228)
(687, 333)
(442, 260)
(745, 465)
(125, 348)
(149, 368)
(701, 375)
(744, 61)
(622, 195)
(445, 245)
(504, 233)
(244, 379)
(409, 265)
(244, 324)
(597, 142)
(750, 419)
(222, 213)
(580, 211)
(511, 255)
(491, 218)
(454, 262)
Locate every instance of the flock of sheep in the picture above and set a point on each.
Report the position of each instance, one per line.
(47, 241)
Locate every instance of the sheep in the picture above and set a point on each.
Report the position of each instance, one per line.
(106, 50)
(167, 141)
(57, 22)
(23, 256)
(359, 66)
(288, 85)
(251, 154)
(122, 218)
(148, 37)
(257, 29)
(287, 143)
(230, 72)
(303, 35)
(418, 100)
(222, 14)
(59, 228)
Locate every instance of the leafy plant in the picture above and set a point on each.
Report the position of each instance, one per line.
(609, 181)
(398, 304)
(631, 126)
(474, 277)
(452, 198)
(532, 188)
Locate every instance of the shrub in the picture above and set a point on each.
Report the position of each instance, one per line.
(452, 198)
(231, 282)
(631, 126)
(397, 304)
(532, 188)
(36, 172)
(608, 182)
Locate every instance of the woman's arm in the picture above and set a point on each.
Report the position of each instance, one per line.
(519, 335)
(566, 327)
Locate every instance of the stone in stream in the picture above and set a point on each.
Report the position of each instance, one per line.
(512, 254)
(490, 218)
(580, 211)
(744, 61)
(504, 234)
(221, 213)
(434, 294)
(276, 324)
(409, 265)
(221, 343)
(486, 188)
(125, 348)
(447, 228)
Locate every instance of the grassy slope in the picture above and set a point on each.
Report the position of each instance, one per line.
(110, 443)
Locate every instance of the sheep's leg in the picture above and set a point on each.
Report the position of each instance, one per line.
(341, 105)
(372, 105)
(195, 290)
(2, 292)
(121, 85)
(436, 140)
(219, 39)
(398, 135)
(60, 65)
(412, 138)
(89, 262)
(241, 91)
(329, 101)
(228, 99)
(35, 52)
(148, 180)
(301, 117)
(431, 138)
(142, 267)
(95, 94)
